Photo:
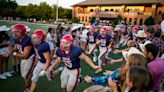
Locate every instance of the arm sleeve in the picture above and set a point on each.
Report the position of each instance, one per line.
(80, 51)
(46, 48)
(103, 80)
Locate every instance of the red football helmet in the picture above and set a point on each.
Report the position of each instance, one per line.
(40, 33)
(66, 42)
(104, 29)
(67, 38)
(90, 28)
(19, 27)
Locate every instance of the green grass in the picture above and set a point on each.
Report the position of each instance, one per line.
(16, 83)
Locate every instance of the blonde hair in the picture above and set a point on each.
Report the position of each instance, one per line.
(133, 60)
(130, 43)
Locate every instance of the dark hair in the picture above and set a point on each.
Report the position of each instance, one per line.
(157, 33)
(163, 16)
(150, 29)
(152, 48)
(68, 29)
(49, 30)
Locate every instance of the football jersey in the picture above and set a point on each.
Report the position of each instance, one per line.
(26, 41)
(71, 60)
(40, 49)
(104, 41)
(92, 37)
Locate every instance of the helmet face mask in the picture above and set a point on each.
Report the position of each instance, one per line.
(64, 45)
(66, 42)
(91, 30)
(38, 36)
(17, 34)
(102, 32)
(36, 40)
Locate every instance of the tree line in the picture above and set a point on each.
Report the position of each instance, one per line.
(41, 11)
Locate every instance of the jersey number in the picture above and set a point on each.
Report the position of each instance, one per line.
(68, 64)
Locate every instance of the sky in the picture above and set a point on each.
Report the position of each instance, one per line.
(63, 3)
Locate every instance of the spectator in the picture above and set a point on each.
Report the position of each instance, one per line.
(4, 52)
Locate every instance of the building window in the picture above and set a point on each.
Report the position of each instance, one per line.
(86, 19)
(130, 20)
(79, 18)
(82, 18)
(106, 10)
(91, 10)
(135, 21)
(89, 19)
(160, 12)
(125, 20)
(141, 21)
(111, 10)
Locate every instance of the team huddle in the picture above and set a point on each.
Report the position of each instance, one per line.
(143, 57)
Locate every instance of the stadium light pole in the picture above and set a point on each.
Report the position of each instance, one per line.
(57, 11)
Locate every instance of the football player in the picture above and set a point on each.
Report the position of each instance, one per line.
(71, 56)
(91, 36)
(42, 51)
(105, 42)
(23, 49)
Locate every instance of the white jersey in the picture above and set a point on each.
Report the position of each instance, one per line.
(49, 41)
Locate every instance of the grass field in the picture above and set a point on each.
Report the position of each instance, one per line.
(16, 83)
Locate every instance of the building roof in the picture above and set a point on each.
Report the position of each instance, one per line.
(118, 2)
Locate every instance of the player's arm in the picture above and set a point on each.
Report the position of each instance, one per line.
(118, 60)
(25, 53)
(89, 61)
(97, 41)
(111, 41)
(48, 60)
(57, 62)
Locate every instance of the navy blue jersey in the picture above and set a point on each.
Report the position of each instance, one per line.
(26, 41)
(40, 49)
(92, 37)
(104, 41)
(71, 60)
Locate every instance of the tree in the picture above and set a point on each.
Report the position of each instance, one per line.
(75, 20)
(92, 20)
(68, 13)
(53, 12)
(20, 11)
(149, 21)
(44, 11)
(117, 20)
(7, 7)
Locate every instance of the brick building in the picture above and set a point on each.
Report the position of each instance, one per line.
(132, 11)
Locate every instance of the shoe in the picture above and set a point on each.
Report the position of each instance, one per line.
(94, 59)
(80, 80)
(3, 77)
(7, 74)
